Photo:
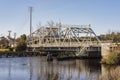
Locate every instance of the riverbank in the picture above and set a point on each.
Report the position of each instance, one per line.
(112, 59)
(20, 54)
(32, 54)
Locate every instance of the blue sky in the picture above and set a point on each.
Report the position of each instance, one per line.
(103, 15)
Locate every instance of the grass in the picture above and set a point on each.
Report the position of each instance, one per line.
(4, 50)
(112, 58)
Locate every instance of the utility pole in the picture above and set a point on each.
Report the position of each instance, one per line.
(14, 39)
(9, 34)
(14, 36)
(31, 20)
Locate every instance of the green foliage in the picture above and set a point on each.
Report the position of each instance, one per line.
(111, 36)
(23, 37)
(112, 58)
(11, 49)
(21, 46)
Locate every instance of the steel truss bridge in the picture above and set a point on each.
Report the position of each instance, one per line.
(57, 37)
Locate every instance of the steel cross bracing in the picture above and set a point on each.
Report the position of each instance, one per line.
(63, 36)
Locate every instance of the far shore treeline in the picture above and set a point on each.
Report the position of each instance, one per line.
(110, 37)
(11, 44)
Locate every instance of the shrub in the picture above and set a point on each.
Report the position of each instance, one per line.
(113, 58)
(21, 47)
(10, 49)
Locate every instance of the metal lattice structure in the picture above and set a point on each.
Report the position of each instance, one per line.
(67, 35)
(63, 36)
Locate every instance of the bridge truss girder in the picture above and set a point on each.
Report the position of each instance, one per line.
(63, 36)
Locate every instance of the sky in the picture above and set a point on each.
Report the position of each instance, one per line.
(103, 15)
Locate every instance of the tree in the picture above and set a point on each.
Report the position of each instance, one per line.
(21, 46)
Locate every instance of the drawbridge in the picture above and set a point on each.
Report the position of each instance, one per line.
(57, 38)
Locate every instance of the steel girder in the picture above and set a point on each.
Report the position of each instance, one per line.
(63, 35)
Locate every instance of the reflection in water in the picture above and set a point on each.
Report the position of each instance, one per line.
(36, 68)
(110, 72)
(65, 70)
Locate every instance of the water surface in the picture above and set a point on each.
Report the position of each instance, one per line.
(37, 68)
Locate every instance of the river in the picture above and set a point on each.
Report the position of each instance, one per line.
(37, 68)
